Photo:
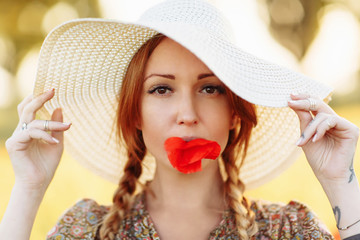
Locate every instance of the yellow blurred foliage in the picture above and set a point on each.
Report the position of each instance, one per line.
(72, 182)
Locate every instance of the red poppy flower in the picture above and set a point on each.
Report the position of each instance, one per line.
(186, 156)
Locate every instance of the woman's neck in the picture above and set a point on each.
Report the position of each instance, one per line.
(171, 189)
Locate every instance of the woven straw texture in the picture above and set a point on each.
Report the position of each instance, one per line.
(85, 61)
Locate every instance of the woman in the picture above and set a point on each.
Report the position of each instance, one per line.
(184, 108)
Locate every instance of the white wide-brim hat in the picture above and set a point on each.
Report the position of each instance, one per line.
(85, 61)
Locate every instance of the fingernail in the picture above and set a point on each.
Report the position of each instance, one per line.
(314, 138)
(67, 123)
(55, 140)
(292, 102)
(300, 140)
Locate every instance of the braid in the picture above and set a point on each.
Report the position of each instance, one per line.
(128, 118)
(123, 195)
(234, 188)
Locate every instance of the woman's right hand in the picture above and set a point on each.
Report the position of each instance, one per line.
(34, 152)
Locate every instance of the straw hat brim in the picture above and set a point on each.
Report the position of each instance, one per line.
(85, 61)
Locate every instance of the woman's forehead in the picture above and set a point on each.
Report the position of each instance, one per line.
(171, 57)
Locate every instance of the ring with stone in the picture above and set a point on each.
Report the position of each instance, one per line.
(24, 126)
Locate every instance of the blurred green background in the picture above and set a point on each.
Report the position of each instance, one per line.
(317, 37)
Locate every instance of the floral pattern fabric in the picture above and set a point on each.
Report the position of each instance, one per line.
(275, 221)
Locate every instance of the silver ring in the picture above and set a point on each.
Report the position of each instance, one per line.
(46, 125)
(24, 126)
(312, 104)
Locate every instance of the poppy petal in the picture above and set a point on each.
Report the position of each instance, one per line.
(186, 156)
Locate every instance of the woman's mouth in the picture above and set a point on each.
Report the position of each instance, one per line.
(188, 139)
(186, 156)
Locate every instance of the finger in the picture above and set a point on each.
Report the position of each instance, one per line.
(304, 116)
(312, 128)
(48, 125)
(34, 133)
(299, 96)
(23, 103)
(58, 116)
(324, 126)
(29, 110)
(306, 103)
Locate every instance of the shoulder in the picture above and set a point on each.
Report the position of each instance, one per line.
(79, 222)
(284, 221)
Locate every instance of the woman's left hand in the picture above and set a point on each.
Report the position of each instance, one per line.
(328, 140)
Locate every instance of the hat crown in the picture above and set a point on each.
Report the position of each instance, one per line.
(198, 14)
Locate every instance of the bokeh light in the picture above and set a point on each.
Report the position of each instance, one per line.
(125, 10)
(334, 56)
(7, 50)
(57, 14)
(30, 17)
(287, 12)
(252, 35)
(6, 88)
(27, 71)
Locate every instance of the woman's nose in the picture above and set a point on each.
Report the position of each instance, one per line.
(187, 113)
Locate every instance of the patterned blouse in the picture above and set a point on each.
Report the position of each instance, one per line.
(275, 221)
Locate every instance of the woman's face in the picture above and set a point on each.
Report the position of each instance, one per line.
(181, 97)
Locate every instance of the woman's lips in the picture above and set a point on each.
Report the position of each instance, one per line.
(188, 139)
(185, 154)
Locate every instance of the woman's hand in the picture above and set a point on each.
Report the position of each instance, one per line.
(328, 140)
(36, 146)
(35, 149)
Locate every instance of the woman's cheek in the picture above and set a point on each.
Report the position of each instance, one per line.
(154, 126)
(217, 117)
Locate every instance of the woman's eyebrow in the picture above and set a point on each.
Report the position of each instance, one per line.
(172, 77)
(205, 75)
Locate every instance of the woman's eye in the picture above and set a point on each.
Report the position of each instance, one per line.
(160, 90)
(212, 90)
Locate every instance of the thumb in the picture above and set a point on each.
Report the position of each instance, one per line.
(58, 117)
